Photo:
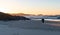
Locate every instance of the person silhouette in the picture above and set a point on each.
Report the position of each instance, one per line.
(42, 20)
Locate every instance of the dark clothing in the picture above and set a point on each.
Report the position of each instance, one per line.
(42, 20)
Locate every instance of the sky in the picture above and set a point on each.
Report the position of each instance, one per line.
(45, 7)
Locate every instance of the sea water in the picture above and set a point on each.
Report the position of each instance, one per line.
(48, 19)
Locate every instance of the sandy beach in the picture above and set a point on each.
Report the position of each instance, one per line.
(35, 24)
(29, 27)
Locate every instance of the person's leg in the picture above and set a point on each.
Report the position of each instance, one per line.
(43, 21)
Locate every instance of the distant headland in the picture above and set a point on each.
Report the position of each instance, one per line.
(8, 17)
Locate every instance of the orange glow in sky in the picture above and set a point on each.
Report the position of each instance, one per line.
(45, 7)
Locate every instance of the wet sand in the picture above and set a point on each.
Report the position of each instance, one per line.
(33, 24)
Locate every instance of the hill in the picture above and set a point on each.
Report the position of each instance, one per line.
(5, 16)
